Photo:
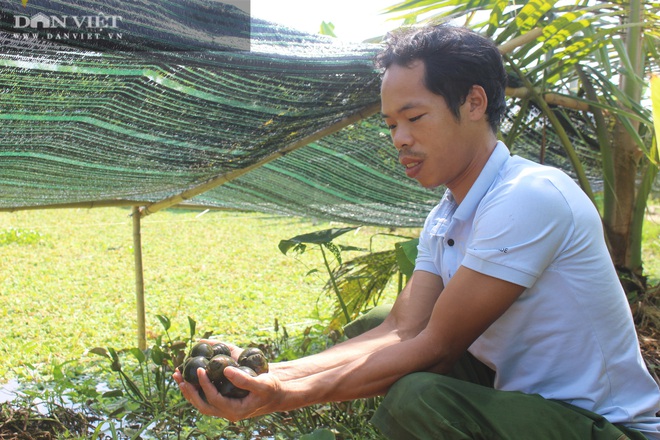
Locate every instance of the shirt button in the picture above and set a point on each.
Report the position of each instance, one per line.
(450, 242)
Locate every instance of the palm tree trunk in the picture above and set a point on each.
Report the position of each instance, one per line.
(618, 225)
(626, 154)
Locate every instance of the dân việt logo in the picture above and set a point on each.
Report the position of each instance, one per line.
(67, 27)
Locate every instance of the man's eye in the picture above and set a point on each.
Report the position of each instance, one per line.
(415, 118)
(391, 127)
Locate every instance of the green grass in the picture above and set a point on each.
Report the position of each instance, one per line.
(67, 280)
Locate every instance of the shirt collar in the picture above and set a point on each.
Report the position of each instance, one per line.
(488, 174)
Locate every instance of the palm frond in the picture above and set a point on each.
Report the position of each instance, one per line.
(361, 282)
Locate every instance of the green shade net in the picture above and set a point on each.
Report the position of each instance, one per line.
(170, 105)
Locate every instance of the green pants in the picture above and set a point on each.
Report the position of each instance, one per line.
(465, 406)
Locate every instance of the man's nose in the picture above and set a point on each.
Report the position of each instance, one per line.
(401, 138)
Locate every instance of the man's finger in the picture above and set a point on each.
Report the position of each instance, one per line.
(239, 378)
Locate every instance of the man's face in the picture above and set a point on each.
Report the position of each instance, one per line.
(433, 145)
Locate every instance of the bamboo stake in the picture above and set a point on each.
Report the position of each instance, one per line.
(94, 204)
(139, 280)
(228, 177)
(110, 204)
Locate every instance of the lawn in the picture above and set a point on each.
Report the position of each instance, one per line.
(67, 280)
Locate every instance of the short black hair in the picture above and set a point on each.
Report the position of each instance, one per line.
(455, 59)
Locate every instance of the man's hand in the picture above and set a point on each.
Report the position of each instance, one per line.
(265, 393)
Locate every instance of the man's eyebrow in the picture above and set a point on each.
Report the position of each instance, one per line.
(403, 108)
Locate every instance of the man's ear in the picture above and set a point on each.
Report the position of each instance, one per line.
(477, 102)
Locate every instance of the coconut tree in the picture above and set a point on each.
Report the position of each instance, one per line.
(582, 68)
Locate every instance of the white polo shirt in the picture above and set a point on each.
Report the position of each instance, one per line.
(570, 336)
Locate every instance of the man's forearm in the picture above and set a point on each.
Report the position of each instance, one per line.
(407, 318)
(339, 355)
(365, 376)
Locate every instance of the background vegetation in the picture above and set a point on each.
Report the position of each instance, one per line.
(67, 280)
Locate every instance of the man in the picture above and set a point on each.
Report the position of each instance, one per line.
(512, 267)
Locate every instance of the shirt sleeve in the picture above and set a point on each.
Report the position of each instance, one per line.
(425, 257)
(519, 229)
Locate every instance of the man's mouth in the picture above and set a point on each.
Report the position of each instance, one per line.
(412, 167)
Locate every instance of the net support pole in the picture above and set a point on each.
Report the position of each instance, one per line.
(139, 279)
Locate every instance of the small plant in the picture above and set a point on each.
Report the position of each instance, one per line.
(148, 401)
(323, 239)
(20, 236)
(360, 282)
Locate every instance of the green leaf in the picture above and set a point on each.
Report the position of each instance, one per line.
(495, 19)
(133, 387)
(531, 13)
(318, 237)
(158, 356)
(627, 67)
(113, 393)
(634, 134)
(574, 53)
(351, 248)
(165, 321)
(101, 351)
(410, 20)
(655, 100)
(193, 327)
(563, 28)
(409, 5)
(327, 29)
(116, 365)
(411, 9)
(139, 354)
(58, 374)
(288, 245)
(406, 253)
(334, 249)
